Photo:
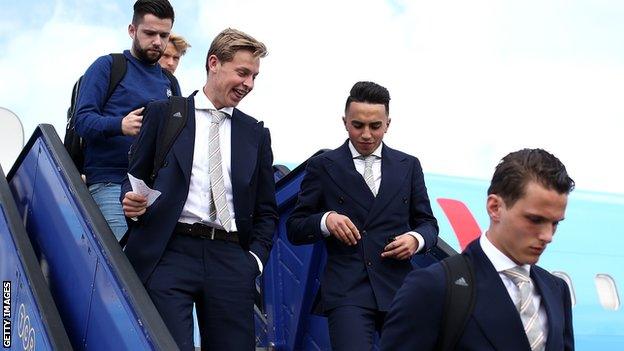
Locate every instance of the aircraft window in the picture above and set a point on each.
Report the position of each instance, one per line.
(607, 292)
(568, 281)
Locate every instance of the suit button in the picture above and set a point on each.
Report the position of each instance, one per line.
(404, 200)
(369, 263)
(340, 200)
(363, 232)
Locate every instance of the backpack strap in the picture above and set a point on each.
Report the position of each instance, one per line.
(71, 111)
(74, 144)
(176, 120)
(118, 71)
(175, 86)
(459, 301)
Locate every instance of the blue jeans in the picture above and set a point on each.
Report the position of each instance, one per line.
(106, 196)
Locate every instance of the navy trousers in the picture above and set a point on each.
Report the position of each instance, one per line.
(353, 328)
(219, 277)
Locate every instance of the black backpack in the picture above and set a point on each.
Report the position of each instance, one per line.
(74, 144)
(459, 301)
(176, 120)
(178, 115)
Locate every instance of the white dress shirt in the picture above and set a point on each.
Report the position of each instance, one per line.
(501, 263)
(197, 205)
(359, 164)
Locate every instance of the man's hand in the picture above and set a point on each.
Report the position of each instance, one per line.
(131, 124)
(134, 204)
(401, 248)
(342, 228)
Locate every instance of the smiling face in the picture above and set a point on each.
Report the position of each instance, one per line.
(150, 37)
(366, 124)
(229, 82)
(523, 230)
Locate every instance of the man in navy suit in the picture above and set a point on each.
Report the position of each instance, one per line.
(207, 237)
(518, 306)
(369, 204)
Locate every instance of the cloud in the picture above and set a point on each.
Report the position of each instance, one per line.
(470, 81)
(42, 63)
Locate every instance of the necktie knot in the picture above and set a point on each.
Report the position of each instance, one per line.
(517, 275)
(217, 116)
(368, 160)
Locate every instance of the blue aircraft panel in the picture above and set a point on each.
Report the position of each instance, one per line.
(30, 318)
(102, 302)
(292, 277)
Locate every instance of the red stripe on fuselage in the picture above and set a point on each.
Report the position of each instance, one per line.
(465, 226)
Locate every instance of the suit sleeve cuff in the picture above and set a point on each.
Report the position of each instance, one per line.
(419, 238)
(324, 229)
(260, 266)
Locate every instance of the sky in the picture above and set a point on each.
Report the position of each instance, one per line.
(470, 81)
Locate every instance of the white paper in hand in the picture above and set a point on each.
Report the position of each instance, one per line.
(139, 187)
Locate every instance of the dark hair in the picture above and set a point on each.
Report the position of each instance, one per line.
(159, 8)
(369, 92)
(518, 168)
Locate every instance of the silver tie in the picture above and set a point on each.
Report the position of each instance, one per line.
(528, 312)
(219, 208)
(368, 172)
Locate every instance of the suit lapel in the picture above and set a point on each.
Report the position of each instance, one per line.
(244, 147)
(184, 145)
(494, 310)
(551, 302)
(342, 171)
(393, 171)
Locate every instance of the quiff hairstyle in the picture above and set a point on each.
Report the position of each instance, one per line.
(180, 44)
(518, 168)
(229, 41)
(370, 93)
(159, 8)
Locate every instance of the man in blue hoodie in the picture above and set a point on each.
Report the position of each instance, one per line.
(108, 127)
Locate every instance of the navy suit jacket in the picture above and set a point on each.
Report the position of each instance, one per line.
(357, 275)
(253, 186)
(414, 320)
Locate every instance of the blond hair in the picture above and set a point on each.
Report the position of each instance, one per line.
(180, 44)
(229, 41)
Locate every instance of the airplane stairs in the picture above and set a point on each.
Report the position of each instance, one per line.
(71, 286)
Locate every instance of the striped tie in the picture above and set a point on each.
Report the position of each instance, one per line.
(368, 172)
(219, 208)
(528, 312)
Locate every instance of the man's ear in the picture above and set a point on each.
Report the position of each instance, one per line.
(131, 30)
(213, 62)
(494, 206)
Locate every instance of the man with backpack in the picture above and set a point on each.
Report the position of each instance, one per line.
(206, 238)
(108, 113)
(503, 301)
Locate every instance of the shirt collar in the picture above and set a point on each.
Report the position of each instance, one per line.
(356, 154)
(203, 103)
(499, 260)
